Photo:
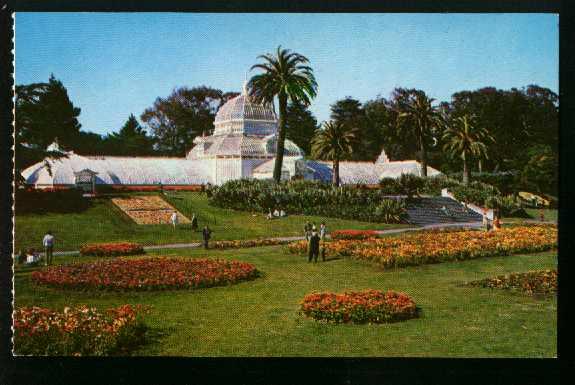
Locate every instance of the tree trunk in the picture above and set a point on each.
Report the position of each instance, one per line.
(465, 171)
(335, 176)
(282, 102)
(423, 155)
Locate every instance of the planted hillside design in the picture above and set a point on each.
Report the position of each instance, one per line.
(146, 274)
(543, 282)
(309, 198)
(441, 246)
(78, 331)
(369, 306)
(148, 210)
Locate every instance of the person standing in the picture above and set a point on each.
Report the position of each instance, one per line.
(322, 235)
(206, 235)
(48, 243)
(194, 222)
(174, 219)
(307, 230)
(313, 246)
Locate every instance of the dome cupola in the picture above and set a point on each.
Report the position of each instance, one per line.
(242, 116)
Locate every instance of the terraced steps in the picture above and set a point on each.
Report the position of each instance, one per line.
(434, 210)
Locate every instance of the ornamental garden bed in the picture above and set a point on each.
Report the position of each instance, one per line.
(238, 244)
(353, 234)
(111, 249)
(148, 210)
(370, 306)
(160, 273)
(440, 246)
(543, 282)
(80, 331)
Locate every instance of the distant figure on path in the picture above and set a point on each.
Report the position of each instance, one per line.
(206, 235)
(174, 219)
(276, 213)
(48, 243)
(307, 230)
(270, 216)
(194, 222)
(313, 246)
(542, 215)
(282, 213)
(486, 225)
(32, 256)
(322, 235)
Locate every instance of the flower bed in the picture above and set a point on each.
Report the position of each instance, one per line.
(111, 249)
(146, 274)
(237, 244)
(371, 306)
(353, 234)
(438, 246)
(79, 331)
(533, 282)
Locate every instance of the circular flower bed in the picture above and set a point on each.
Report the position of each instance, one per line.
(371, 306)
(146, 274)
(111, 249)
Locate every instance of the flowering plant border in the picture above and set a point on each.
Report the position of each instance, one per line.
(542, 282)
(111, 249)
(369, 306)
(158, 273)
(353, 234)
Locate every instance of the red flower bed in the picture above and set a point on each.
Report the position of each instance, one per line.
(78, 331)
(111, 249)
(146, 274)
(353, 234)
(532, 282)
(371, 306)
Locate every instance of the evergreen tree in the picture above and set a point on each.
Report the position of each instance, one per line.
(301, 126)
(131, 140)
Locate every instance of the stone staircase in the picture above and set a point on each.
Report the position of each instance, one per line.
(429, 210)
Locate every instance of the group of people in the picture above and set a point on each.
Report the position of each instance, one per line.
(489, 225)
(206, 231)
(32, 257)
(174, 220)
(275, 214)
(315, 240)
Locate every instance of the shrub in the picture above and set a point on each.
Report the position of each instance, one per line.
(78, 331)
(353, 234)
(299, 197)
(425, 247)
(533, 282)
(476, 193)
(146, 274)
(111, 249)
(58, 201)
(391, 211)
(410, 184)
(371, 306)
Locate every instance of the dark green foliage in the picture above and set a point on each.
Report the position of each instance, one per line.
(301, 126)
(176, 120)
(391, 211)
(504, 181)
(476, 193)
(304, 197)
(41, 202)
(410, 185)
(131, 140)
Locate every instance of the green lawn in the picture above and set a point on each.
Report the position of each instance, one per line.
(549, 214)
(260, 317)
(104, 222)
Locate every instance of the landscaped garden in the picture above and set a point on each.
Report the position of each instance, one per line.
(440, 312)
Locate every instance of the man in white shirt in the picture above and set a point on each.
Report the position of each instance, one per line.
(174, 219)
(48, 243)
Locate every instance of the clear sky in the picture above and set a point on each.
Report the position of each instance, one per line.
(114, 64)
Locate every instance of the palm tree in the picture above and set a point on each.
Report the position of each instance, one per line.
(287, 76)
(417, 115)
(464, 138)
(333, 142)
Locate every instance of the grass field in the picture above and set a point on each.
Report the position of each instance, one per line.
(260, 317)
(104, 222)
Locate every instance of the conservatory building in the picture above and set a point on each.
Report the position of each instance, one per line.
(243, 145)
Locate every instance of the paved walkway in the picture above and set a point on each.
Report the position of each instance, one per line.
(298, 238)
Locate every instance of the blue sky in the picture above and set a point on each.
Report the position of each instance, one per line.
(114, 64)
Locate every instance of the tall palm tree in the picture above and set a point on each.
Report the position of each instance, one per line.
(464, 138)
(333, 142)
(287, 76)
(416, 114)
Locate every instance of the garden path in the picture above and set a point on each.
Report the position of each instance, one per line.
(297, 238)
